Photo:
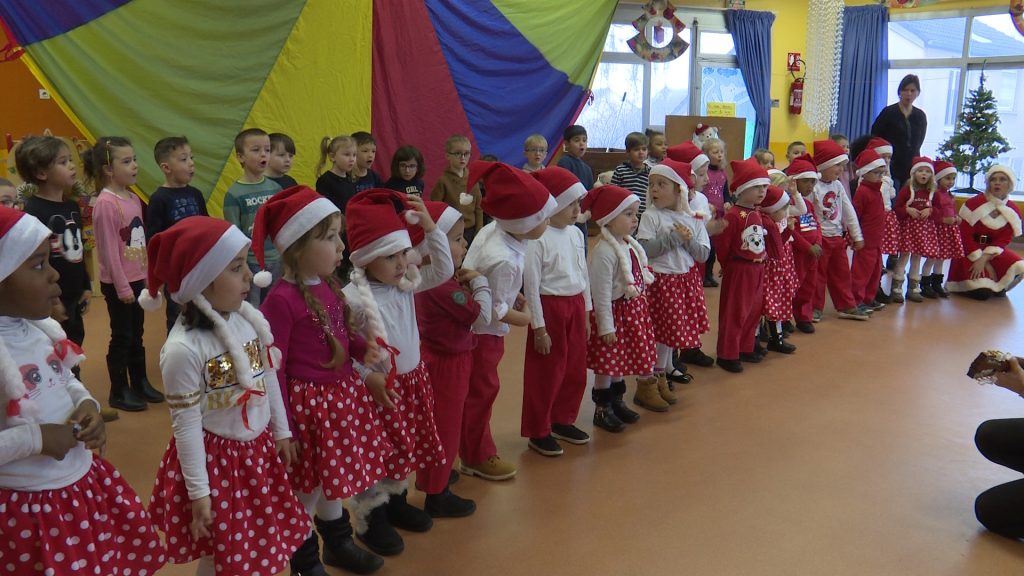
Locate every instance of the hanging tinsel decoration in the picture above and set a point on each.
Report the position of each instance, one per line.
(824, 55)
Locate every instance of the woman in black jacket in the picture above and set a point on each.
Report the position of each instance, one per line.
(904, 126)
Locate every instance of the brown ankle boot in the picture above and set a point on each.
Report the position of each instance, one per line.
(665, 391)
(647, 395)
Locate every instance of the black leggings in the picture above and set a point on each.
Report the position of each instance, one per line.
(126, 325)
(1001, 509)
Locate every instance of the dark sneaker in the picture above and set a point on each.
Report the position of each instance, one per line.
(710, 283)
(729, 365)
(695, 356)
(547, 446)
(865, 309)
(877, 305)
(853, 314)
(805, 327)
(816, 316)
(569, 433)
(751, 357)
(448, 505)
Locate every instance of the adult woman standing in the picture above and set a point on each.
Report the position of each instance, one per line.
(905, 126)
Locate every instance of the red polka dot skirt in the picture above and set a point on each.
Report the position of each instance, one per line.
(779, 286)
(919, 237)
(891, 234)
(96, 525)
(678, 315)
(951, 245)
(411, 428)
(633, 352)
(340, 435)
(257, 521)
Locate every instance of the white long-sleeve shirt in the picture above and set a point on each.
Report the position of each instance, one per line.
(202, 388)
(398, 307)
(606, 284)
(56, 393)
(555, 265)
(657, 222)
(835, 211)
(501, 258)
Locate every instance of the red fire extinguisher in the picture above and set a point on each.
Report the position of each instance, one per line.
(796, 96)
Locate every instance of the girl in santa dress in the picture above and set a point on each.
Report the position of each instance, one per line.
(221, 493)
(64, 510)
(339, 436)
(988, 223)
(382, 294)
(947, 230)
(914, 206)
(622, 339)
(779, 274)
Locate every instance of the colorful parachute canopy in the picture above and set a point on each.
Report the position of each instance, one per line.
(412, 71)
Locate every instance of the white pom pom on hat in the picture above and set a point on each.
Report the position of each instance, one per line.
(149, 302)
(262, 279)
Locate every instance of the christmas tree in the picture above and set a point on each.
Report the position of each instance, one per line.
(976, 144)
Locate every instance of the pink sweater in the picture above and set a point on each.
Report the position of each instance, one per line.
(120, 240)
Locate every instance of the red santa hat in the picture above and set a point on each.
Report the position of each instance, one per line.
(775, 199)
(880, 145)
(943, 169)
(827, 154)
(285, 217)
(701, 129)
(604, 203)
(690, 153)
(20, 235)
(376, 227)
(802, 168)
(517, 201)
(922, 162)
(187, 258)
(747, 174)
(563, 185)
(682, 174)
(867, 161)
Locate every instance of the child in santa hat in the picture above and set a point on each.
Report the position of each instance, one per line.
(702, 209)
(332, 414)
(622, 339)
(891, 227)
(675, 241)
(779, 277)
(837, 219)
(520, 206)
(65, 510)
(918, 240)
(557, 291)
(869, 202)
(947, 230)
(806, 243)
(446, 315)
(231, 439)
(382, 294)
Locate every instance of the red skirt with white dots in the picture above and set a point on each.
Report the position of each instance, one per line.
(410, 427)
(341, 439)
(779, 286)
(919, 237)
(257, 521)
(96, 525)
(951, 245)
(678, 314)
(891, 234)
(633, 353)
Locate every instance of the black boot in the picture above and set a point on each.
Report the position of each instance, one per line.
(762, 331)
(777, 344)
(380, 535)
(448, 505)
(403, 515)
(619, 406)
(140, 382)
(695, 356)
(604, 417)
(306, 560)
(122, 396)
(937, 285)
(339, 549)
(928, 287)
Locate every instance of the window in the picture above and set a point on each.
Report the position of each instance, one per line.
(630, 94)
(948, 53)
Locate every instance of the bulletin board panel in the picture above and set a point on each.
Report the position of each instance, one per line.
(733, 131)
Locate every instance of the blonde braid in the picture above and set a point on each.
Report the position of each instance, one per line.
(338, 354)
(375, 326)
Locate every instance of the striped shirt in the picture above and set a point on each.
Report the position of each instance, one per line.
(633, 180)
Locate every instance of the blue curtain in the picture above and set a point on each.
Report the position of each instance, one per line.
(864, 75)
(752, 34)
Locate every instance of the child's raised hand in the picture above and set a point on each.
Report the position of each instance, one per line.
(426, 222)
(683, 232)
(202, 518)
(92, 430)
(287, 451)
(58, 439)
(542, 341)
(376, 383)
(609, 339)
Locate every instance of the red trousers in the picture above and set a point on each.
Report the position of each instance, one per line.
(449, 376)
(866, 274)
(739, 309)
(477, 445)
(806, 266)
(553, 384)
(834, 272)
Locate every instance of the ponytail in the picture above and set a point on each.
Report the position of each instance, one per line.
(328, 148)
(100, 156)
(325, 143)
